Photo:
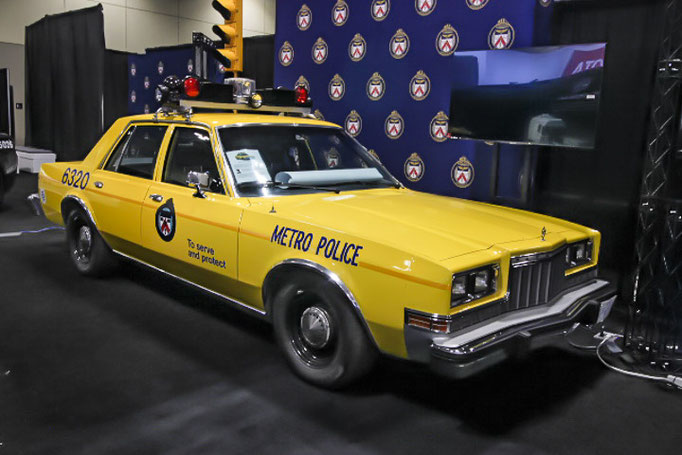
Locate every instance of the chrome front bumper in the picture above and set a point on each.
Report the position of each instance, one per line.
(475, 348)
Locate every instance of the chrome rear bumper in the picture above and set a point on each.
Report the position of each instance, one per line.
(475, 348)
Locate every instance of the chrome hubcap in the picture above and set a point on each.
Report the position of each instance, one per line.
(83, 243)
(315, 327)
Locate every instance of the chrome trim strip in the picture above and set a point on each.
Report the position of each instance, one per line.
(515, 318)
(83, 206)
(237, 303)
(295, 124)
(531, 258)
(336, 280)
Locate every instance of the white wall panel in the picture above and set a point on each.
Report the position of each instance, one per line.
(169, 7)
(199, 10)
(253, 15)
(145, 29)
(187, 26)
(17, 14)
(269, 17)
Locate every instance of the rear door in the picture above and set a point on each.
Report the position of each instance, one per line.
(189, 235)
(117, 190)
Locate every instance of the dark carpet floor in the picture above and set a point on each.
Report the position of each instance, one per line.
(140, 364)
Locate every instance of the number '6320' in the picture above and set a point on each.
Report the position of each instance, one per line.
(75, 178)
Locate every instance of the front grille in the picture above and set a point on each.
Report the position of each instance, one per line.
(534, 279)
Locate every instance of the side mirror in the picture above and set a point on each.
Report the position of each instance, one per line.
(199, 180)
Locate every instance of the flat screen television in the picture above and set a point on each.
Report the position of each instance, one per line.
(540, 95)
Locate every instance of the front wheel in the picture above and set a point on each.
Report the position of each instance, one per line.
(319, 333)
(88, 252)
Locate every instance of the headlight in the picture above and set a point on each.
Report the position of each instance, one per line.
(579, 253)
(474, 284)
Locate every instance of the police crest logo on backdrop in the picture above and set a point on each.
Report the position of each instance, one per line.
(337, 88)
(376, 87)
(333, 158)
(476, 4)
(425, 7)
(420, 86)
(394, 125)
(380, 9)
(303, 82)
(462, 173)
(286, 54)
(399, 44)
(353, 123)
(320, 51)
(318, 114)
(304, 18)
(545, 3)
(414, 168)
(501, 35)
(160, 67)
(438, 128)
(374, 154)
(357, 48)
(447, 41)
(340, 13)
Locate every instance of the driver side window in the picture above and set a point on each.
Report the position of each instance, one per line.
(190, 150)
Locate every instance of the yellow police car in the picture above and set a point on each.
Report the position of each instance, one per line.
(243, 194)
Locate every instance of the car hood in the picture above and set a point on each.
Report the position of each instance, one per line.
(428, 225)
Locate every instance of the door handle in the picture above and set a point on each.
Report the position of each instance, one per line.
(156, 197)
(99, 184)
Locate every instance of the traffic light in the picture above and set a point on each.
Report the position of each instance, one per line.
(230, 32)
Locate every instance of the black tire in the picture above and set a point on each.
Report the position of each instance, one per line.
(87, 250)
(345, 356)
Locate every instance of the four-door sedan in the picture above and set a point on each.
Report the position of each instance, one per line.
(290, 218)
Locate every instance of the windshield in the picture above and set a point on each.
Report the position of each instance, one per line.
(273, 160)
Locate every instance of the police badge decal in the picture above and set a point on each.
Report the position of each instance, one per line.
(502, 35)
(337, 88)
(286, 54)
(420, 86)
(462, 173)
(304, 18)
(438, 128)
(394, 125)
(414, 168)
(380, 9)
(376, 87)
(425, 7)
(302, 82)
(353, 123)
(165, 221)
(399, 44)
(447, 40)
(320, 51)
(357, 48)
(340, 13)
(476, 4)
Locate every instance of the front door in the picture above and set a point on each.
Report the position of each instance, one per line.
(192, 234)
(116, 191)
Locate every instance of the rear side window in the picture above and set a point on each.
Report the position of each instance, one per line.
(136, 153)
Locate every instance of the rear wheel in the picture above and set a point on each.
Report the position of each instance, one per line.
(88, 252)
(319, 333)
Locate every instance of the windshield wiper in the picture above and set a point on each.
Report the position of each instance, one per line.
(284, 186)
(367, 183)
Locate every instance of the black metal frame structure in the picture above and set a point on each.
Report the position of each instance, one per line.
(653, 334)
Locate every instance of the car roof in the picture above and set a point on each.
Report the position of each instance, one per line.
(217, 119)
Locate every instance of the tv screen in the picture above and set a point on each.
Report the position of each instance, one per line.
(5, 103)
(542, 95)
